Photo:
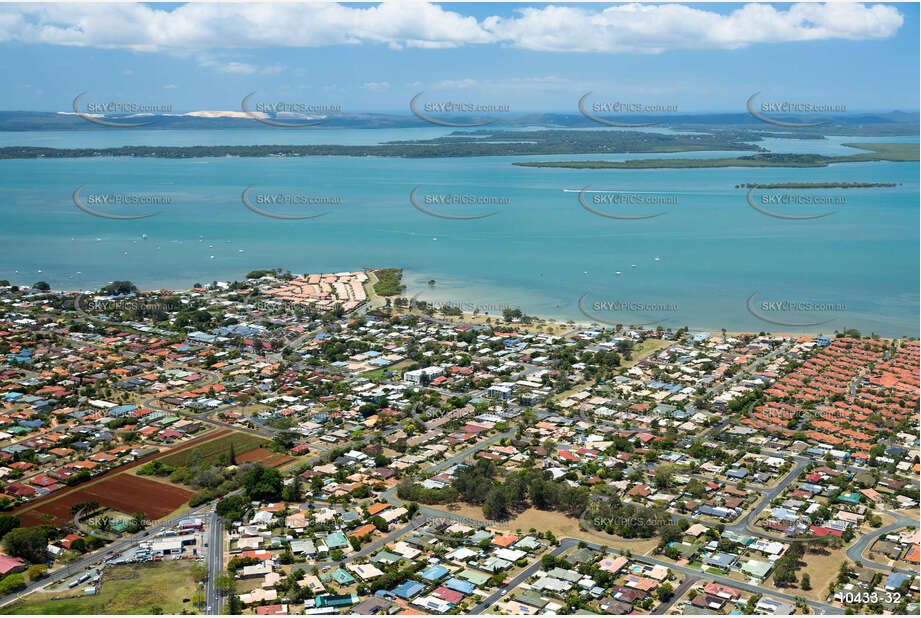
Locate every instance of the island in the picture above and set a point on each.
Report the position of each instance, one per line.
(816, 185)
(875, 152)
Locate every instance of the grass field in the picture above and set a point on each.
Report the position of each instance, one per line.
(873, 152)
(395, 368)
(128, 589)
(211, 450)
(644, 350)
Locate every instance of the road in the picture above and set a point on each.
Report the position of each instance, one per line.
(855, 551)
(743, 525)
(663, 608)
(215, 554)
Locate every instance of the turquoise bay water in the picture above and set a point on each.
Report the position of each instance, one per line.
(541, 252)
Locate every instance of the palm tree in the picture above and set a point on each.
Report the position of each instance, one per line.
(139, 520)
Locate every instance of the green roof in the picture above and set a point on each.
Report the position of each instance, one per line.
(336, 540)
(342, 577)
(758, 568)
(474, 577)
(385, 556)
(530, 597)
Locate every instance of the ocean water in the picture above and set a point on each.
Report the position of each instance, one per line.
(541, 251)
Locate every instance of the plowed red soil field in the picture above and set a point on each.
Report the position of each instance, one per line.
(126, 492)
(263, 456)
(130, 490)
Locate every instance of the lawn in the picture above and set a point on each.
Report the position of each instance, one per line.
(644, 350)
(211, 450)
(128, 589)
(395, 368)
(822, 569)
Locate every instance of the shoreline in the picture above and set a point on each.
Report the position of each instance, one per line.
(558, 322)
(495, 320)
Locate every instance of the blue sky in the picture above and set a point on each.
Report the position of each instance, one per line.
(529, 56)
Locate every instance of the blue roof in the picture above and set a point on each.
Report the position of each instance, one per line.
(434, 573)
(720, 559)
(784, 513)
(895, 580)
(459, 586)
(408, 589)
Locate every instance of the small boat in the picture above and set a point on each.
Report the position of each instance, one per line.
(617, 272)
(657, 258)
(632, 265)
(210, 257)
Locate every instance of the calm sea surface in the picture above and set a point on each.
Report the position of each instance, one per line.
(541, 251)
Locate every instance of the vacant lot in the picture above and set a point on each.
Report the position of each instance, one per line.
(211, 451)
(126, 492)
(560, 524)
(264, 456)
(644, 350)
(822, 569)
(129, 589)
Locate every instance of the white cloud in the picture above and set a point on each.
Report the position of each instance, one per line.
(629, 28)
(648, 28)
(236, 67)
(376, 86)
(457, 83)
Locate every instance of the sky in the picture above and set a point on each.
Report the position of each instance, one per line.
(526, 56)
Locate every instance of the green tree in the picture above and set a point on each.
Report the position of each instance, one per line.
(29, 543)
(225, 584)
(7, 523)
(664, 591)
(12, 582)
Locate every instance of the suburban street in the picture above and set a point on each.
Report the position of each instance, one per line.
(677, 593)
(215, 555)
(569, 543)
(855, 551)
